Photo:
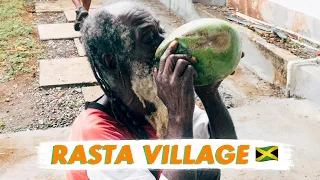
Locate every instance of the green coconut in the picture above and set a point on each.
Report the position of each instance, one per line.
(214, 43)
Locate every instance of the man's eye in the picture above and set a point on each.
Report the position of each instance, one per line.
(149, 38)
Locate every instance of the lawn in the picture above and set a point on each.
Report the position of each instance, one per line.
(18, 44)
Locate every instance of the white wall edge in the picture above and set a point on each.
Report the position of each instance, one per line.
(291, 73)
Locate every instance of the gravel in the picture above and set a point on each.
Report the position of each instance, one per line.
(59, 106)
(227, 98)
(55, 49)
(51, 18)
(56, 107)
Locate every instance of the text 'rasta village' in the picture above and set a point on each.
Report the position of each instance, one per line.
(225, 154)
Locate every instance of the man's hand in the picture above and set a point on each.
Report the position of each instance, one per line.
(174, 80)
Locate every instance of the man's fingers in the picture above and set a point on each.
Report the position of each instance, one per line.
(190, 73)
(180, 68)
(171, 48)
(172, 61)
(155, 71)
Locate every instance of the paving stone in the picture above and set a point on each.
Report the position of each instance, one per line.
(61, 5)
(57, 31)
(70, 71)
(71, 14)
(92, 93)
(80, 47)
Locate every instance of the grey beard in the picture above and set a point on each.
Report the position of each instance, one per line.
(144, 86)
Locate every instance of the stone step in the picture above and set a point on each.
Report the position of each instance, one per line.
(80, 47)
(61, 5)
(69, 71)
(71, 14)
(57, 31)
(91, 93)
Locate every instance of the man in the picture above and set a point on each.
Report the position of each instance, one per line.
(120, 40)
(82, 10)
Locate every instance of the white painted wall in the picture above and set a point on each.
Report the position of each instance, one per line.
(183, 8)
(309, 7)
(308, 83)
(301, 16)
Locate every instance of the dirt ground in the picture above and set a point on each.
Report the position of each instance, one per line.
(25, 106)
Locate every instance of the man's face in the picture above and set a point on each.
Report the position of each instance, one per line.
(146, 30)
(147, 35)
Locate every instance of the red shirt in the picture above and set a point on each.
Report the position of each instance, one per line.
(95, 124)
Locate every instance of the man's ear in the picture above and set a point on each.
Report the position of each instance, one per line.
(110, 61)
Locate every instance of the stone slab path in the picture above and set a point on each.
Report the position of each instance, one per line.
(56, 72)
(80, 47)
(92, 93)
(73, 71)
(61, 5)
(57, 31)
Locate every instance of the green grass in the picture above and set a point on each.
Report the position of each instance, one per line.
(2, 125)
(17, 45)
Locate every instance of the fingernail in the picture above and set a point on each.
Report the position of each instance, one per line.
(194, 59)
(154, 69)
(173, 44)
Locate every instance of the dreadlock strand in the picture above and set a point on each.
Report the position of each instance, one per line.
(135, 129)
(100, 35)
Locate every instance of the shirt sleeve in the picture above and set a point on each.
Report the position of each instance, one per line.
(200, 124)
(99, 127)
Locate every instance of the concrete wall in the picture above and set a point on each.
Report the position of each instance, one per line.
(212, 2)
(304, 79)
(301, 16)
(308, 83)
(183, 8)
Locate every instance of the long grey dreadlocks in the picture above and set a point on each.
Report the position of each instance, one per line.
(101, 34)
